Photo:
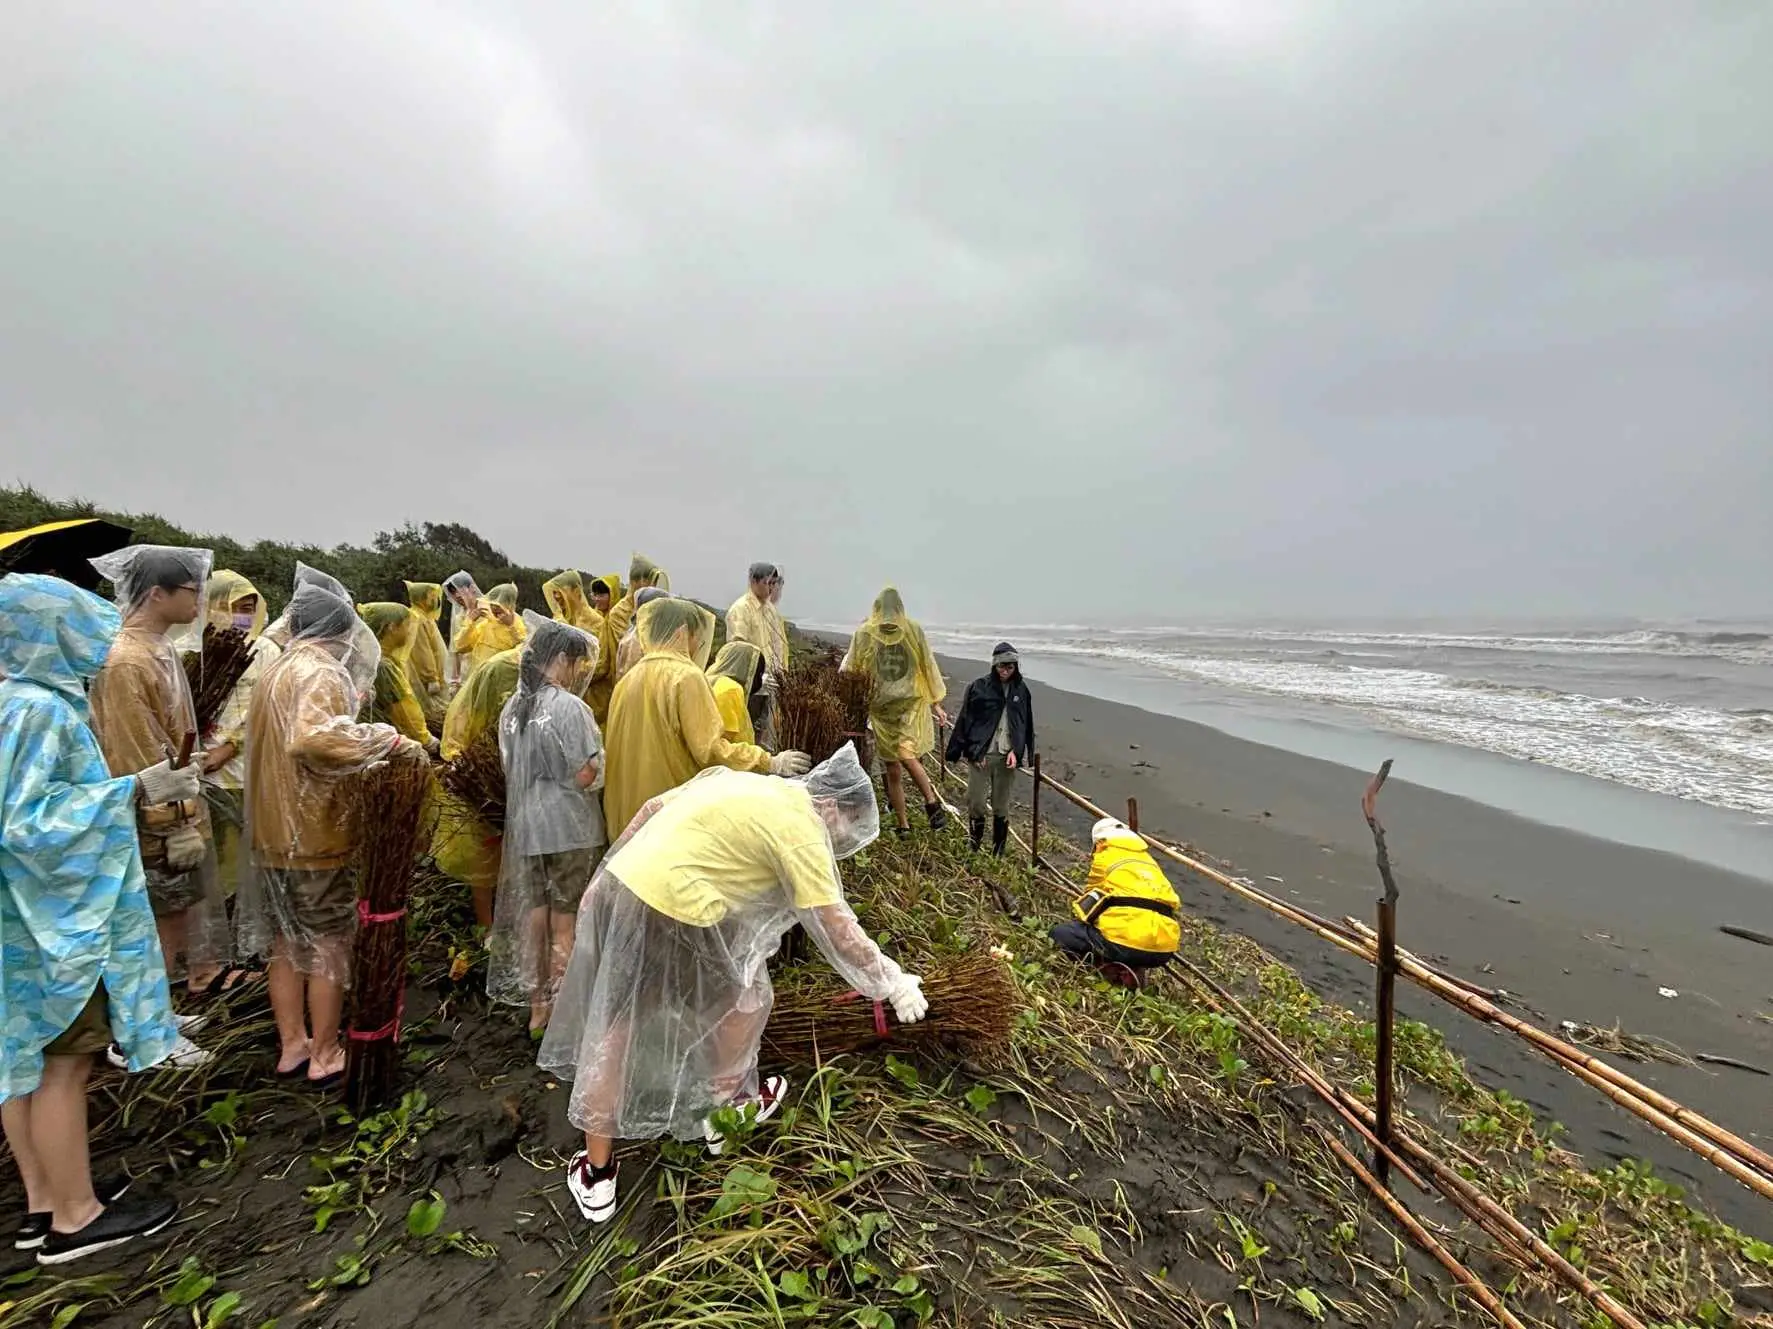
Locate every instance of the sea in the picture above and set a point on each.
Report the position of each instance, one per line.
(1681, 713)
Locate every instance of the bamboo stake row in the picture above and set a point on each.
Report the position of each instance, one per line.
(1723, 1148)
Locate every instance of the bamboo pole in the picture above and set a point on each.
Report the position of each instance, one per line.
(1034, 832)
(1385, 981)
(1754, 1167)
(1402, 1150)
(1133, 815)
(1480, 1291)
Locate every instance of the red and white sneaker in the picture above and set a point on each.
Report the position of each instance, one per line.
(770, 1095)
(592, 1189)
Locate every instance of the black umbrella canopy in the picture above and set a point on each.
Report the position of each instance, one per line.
(62, 548)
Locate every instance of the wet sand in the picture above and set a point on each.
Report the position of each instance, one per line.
(1574, 927)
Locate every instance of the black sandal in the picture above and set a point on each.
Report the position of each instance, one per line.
(232, 981)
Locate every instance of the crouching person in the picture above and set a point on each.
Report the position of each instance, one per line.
(83, 963)
(663, 1009)
(1128, 918)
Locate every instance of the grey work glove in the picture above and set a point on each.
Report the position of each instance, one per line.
(791, 764)
(185, 848)
(161, 784)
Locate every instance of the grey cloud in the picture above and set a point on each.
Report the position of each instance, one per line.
(1155, 308)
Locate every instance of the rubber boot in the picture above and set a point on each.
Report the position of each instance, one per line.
(937, 814)
(1000, 834)
(976, 832)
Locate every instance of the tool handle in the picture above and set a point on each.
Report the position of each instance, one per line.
(185, 751)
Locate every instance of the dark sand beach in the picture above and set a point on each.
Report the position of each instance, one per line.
(1573, 927)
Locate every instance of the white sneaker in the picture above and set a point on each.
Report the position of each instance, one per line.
(190, 1025)
(185, 1056)
(595, 1196)
(768, 1102)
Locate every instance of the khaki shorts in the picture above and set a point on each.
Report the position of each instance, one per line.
(307, 905)
(90, 1032)
(171, 893)
(562, 878)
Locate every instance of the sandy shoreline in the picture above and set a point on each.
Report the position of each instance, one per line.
(1577, 927)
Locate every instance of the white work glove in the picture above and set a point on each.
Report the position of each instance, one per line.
(185, 848)
(161, 784)
(908, 1002)
(771, 685)
(791, 764)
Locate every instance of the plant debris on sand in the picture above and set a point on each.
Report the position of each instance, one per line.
(1125, 1159)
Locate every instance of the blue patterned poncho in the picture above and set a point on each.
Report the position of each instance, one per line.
(73, 904)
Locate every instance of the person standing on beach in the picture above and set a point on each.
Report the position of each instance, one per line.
(664, 724)
(907, 687)
(143, 713)
(754, 618)
(83, 961)
(298, 903)
(994, 736)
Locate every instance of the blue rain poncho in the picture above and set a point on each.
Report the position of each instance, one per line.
(73, 902)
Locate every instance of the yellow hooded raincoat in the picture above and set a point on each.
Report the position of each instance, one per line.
(464, 845)
(642, 572)
(907, 683)
(428, 666)
(730, 675)
(497, 628)
(664, 724)
(395, 702)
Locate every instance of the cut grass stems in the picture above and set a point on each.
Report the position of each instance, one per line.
(1126, 1159)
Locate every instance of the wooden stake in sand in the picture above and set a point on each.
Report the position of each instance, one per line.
(388, 801)
(1385, 1013)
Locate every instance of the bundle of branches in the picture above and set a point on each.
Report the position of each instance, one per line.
(214, 671)
(818, 709)
(477, 777)
(973, 1004)
(387, 803)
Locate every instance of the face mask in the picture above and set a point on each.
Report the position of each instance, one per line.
(243, 622)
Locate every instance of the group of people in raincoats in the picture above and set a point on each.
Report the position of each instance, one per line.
(641, 964)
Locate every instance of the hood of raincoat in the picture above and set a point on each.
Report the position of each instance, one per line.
(316, 615)
(54, 634)
(504, 595)
(642, 572)
(888, 620)
(135, 572)
(426, 598)
(843, 795)
(738, 660)
(676, 627)
(565, 594)
(227, 589)
(393, 625)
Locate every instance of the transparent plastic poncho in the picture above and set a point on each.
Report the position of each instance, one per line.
(659, 1020)
(304, 745)
(143, 713)
(554, 830)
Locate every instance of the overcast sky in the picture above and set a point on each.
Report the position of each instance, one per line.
(1046, 310)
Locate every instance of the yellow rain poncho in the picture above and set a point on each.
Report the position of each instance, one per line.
(760, 623)
(568, 603)
(494, 627)
(223, 787)
(464, 845)
(891, 647)
(642, 573)
(428, 665)
(664, 724)
(730, 676)
(394, 702)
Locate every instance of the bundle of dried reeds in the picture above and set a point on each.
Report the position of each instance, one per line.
(973, 1004)
(387, 803)
(819, 709)
(477, 777)
(214, 671)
